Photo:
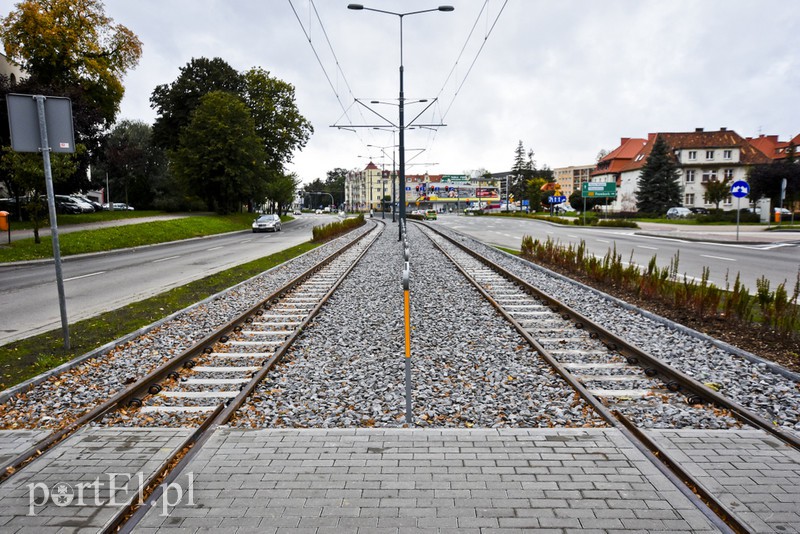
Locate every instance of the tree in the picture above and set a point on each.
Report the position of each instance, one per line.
(659, 186)
(278, 121)
(280, 191)
(335, 184)
(229, 170)
(174, 103)
(765, 181)
(601, 154)
(522, 170)
(136, 169)
(68, 43)
(717, 191)
(27, 171)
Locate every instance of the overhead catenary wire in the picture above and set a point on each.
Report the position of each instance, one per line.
(486, 36)
(319, 60)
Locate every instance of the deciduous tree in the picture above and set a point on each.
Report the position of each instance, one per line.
(717, 191)
(228, 171)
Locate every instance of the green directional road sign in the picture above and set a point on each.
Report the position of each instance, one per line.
(598, 189)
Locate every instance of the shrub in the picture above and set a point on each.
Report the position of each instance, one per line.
(325, 232)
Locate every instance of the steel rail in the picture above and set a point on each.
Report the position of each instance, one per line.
(134, 391)
(127, 518)
(636, 354)
(714, 510)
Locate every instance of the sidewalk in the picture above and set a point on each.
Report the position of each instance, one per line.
(727, 234)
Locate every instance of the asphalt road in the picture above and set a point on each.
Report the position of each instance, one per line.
(777, 257)
(100, 282)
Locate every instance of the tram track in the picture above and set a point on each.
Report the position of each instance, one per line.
(612, 375)
(162, 378)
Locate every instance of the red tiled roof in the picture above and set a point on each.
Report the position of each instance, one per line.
(618, 158)
(700, 139)
(371, 167)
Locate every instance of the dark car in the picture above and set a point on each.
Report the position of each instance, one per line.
(68, 205)
(267, 223)
(698, 211)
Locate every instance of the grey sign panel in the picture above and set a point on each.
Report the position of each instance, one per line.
(23, 119)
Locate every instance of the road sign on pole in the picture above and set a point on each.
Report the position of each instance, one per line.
(44, 124)
(598, 189)
(740, 189)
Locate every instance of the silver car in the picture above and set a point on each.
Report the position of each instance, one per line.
(267, 223)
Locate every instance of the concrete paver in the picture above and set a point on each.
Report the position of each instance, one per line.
(80, 484)
(755, 476)
(15, 442)
(369, 480)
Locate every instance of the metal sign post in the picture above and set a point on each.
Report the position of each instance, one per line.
(739, 189)
(54, 118)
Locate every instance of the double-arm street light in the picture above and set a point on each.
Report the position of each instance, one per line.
(401, 125)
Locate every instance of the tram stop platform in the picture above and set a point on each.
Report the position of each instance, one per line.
(403, 480)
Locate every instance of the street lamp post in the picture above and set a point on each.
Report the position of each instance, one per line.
(401, 124)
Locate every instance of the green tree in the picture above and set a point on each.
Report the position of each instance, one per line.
(278, 121)
(523, 170)
(659, 186)
(717, 191)
(229, 170)
(765, 181)
(136, 168)
(334, 184)
(27, 170)
(280, 191)
(175, 102)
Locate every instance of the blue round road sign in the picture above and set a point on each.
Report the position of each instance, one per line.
(740, 189)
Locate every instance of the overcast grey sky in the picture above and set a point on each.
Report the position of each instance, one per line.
(567, 77)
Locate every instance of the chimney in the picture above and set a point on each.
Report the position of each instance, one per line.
(723, 129)
(698, 130)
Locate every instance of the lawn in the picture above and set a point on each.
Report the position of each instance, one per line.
(23, 359)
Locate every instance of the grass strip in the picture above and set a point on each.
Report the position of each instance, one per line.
(83, 218)
(26, 358)
(117, 237)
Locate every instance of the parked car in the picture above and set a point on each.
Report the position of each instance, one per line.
(783, 211)
(678, 213)
(117, 206)
(297, 212)
(698, 211)
(86, 205)
(95, 205)
(564, 207)
(67, 205)
(267, 223)
(318, 212)
(430, 215)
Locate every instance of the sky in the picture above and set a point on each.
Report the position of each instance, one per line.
(568, 78)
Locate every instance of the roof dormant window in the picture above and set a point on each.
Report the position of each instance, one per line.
(727, 154)
(709, 154)
(692, 154)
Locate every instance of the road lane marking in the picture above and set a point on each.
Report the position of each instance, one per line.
(648, 248)
(165, 259)
(213, 248)
(716, 257)
(572, 236)
(83, 276)
(603, 240)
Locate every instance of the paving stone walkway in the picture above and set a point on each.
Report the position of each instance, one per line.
(754, 476)
(78, 486)
(378, 481)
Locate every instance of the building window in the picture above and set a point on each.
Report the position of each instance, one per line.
(709, 175)
(692, 154)
(727, 154)
(728, 200)
(689, 199)
(690, 176)
(709, 154)
(729, 174)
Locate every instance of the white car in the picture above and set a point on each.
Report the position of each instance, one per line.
(267, 223)
(678, 213)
